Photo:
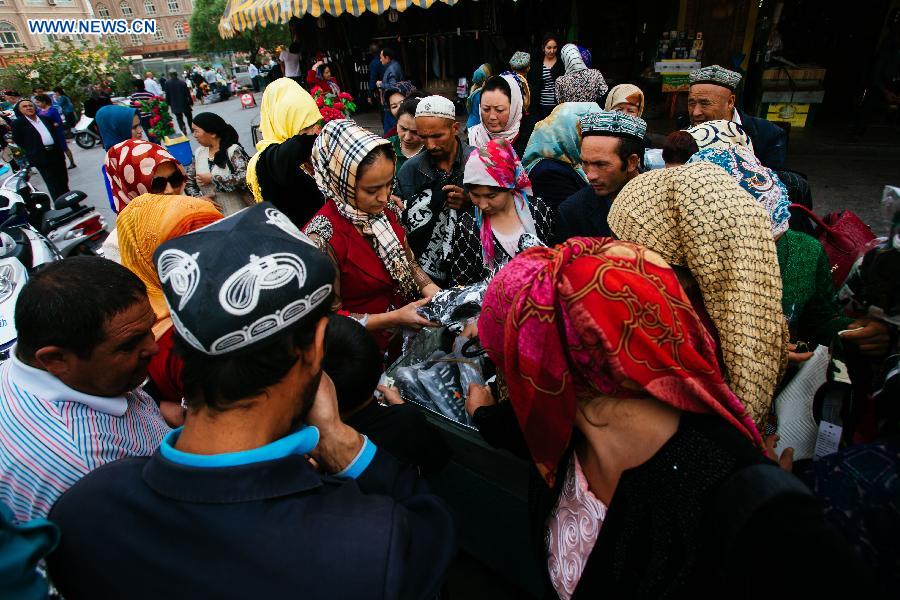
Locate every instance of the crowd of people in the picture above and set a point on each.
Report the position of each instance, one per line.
(213, 379)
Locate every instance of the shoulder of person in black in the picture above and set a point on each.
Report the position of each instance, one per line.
(584, 213)
(285, 184)
(554, 182)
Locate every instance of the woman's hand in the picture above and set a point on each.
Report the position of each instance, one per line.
(456, 196)
(478, 396)
(871, 336)
(795, 358)
(204, 178)
(786, 460)
(391, 395)
(398, 202)
(408, 317)
(430, 290)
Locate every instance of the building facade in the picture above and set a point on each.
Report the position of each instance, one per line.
(14, 15)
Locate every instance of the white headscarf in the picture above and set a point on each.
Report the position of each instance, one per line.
(572, 60)
(479, 136)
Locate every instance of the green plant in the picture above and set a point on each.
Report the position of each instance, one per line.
(161, 119)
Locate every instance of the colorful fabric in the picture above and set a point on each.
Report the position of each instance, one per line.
(617, 124)
(479, 77)
(625, 93)
(130, 167)
(558, 137)
(286, 110)
(586, 56)
(716, 75)
(519, 61)
(337, 154)
(579, 84)
(523, 87)
(114, 123)
(696, 216)
(148, 221)
(720, 134)
(762, 182)
(51, 436)
(497, 165)
(597, 316)
(479, 136)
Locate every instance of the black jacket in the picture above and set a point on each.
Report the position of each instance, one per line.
(554, 181)
(769, 140)
(286, 185)
(583, 214)
(178, 96)
(27, 137)
(148, 528)
(536, 81)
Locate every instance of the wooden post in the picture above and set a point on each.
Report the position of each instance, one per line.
(749, 34)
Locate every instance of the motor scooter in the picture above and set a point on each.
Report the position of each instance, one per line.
(86, 133)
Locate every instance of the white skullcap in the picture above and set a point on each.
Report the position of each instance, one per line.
(436, 106)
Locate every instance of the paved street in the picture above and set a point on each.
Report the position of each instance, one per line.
(842, 174)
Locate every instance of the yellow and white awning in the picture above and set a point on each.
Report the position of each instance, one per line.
(247, 14)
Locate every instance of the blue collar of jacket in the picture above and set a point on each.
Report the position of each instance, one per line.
(271, 471)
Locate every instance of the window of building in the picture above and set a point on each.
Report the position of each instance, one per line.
(103, 11)
(179, 31)
(9, 37)
(35, 2)
(65, 2)
(135, 40)
(173, 6)
(149, 7)
(127, 13)
(158, 36)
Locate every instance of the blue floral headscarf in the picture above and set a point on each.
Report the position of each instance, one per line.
(559, 136)
(762, 183)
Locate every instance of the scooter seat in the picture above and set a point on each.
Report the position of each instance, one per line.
(55, 218)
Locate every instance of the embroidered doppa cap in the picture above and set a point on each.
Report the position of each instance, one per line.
(716, 75)
(436, 106)
(234, 284)
(613, 123)
(519, 61)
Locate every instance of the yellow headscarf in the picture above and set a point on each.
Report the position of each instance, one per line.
(286, 110)
(144, 224)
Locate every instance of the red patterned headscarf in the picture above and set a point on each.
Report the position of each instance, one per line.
(130, 167)
(604, 316)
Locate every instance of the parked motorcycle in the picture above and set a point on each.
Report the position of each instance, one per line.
(86, 133)
(22, 251)
(70, 226)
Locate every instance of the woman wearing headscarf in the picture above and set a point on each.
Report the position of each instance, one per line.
(378, 280)
(626, 98)
(117, 124)
(322, 75)
(507, 217)
(280, 171)
(553, 155)
(473, 103)
(148, 221)
(579, 84)
(698, 218)
(393, 98)
(654, 482)
(501, 112)
(219, 169)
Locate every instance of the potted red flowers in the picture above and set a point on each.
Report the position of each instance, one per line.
(333, 106)
(163, 129)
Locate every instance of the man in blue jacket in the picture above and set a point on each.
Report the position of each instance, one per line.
(265, 492)
(712, 97)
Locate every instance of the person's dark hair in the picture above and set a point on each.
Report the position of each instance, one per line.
(173, 74)
(59, 91)
(294, 48)
(138, 85)
(68, 304)
(13, 93)
(417, 93)
(408, 107)
(228, 136)
(388, 52)
(679, 147)
(221, 382)
(629, 146)
(385, 150)
(352, 360)
(43, 99)
(547, 37)
(497, 83)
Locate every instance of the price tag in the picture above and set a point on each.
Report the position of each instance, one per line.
(828, 439)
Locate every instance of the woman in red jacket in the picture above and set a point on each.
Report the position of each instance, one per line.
(321, 76)
(378, 280)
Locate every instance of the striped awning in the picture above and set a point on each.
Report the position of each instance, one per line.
(247, 14)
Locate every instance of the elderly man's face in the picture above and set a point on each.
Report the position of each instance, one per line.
(439, 136)
(708, 102)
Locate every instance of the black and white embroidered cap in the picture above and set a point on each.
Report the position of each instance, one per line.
(716, 75)
(232, 285)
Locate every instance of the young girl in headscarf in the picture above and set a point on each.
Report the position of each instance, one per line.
(219, 169)
(379, 282)
(507, 217)
(288, 121)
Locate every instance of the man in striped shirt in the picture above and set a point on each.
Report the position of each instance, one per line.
(69, 395)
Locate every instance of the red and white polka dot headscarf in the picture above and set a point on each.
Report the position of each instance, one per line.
(130, 167)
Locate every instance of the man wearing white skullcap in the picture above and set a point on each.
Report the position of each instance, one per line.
(430, 185)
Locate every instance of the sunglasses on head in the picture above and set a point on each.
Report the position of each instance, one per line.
(158, 184)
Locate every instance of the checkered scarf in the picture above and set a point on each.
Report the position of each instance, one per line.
(337, 154)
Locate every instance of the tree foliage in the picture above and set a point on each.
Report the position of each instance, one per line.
(205, 36)
(71, 65)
